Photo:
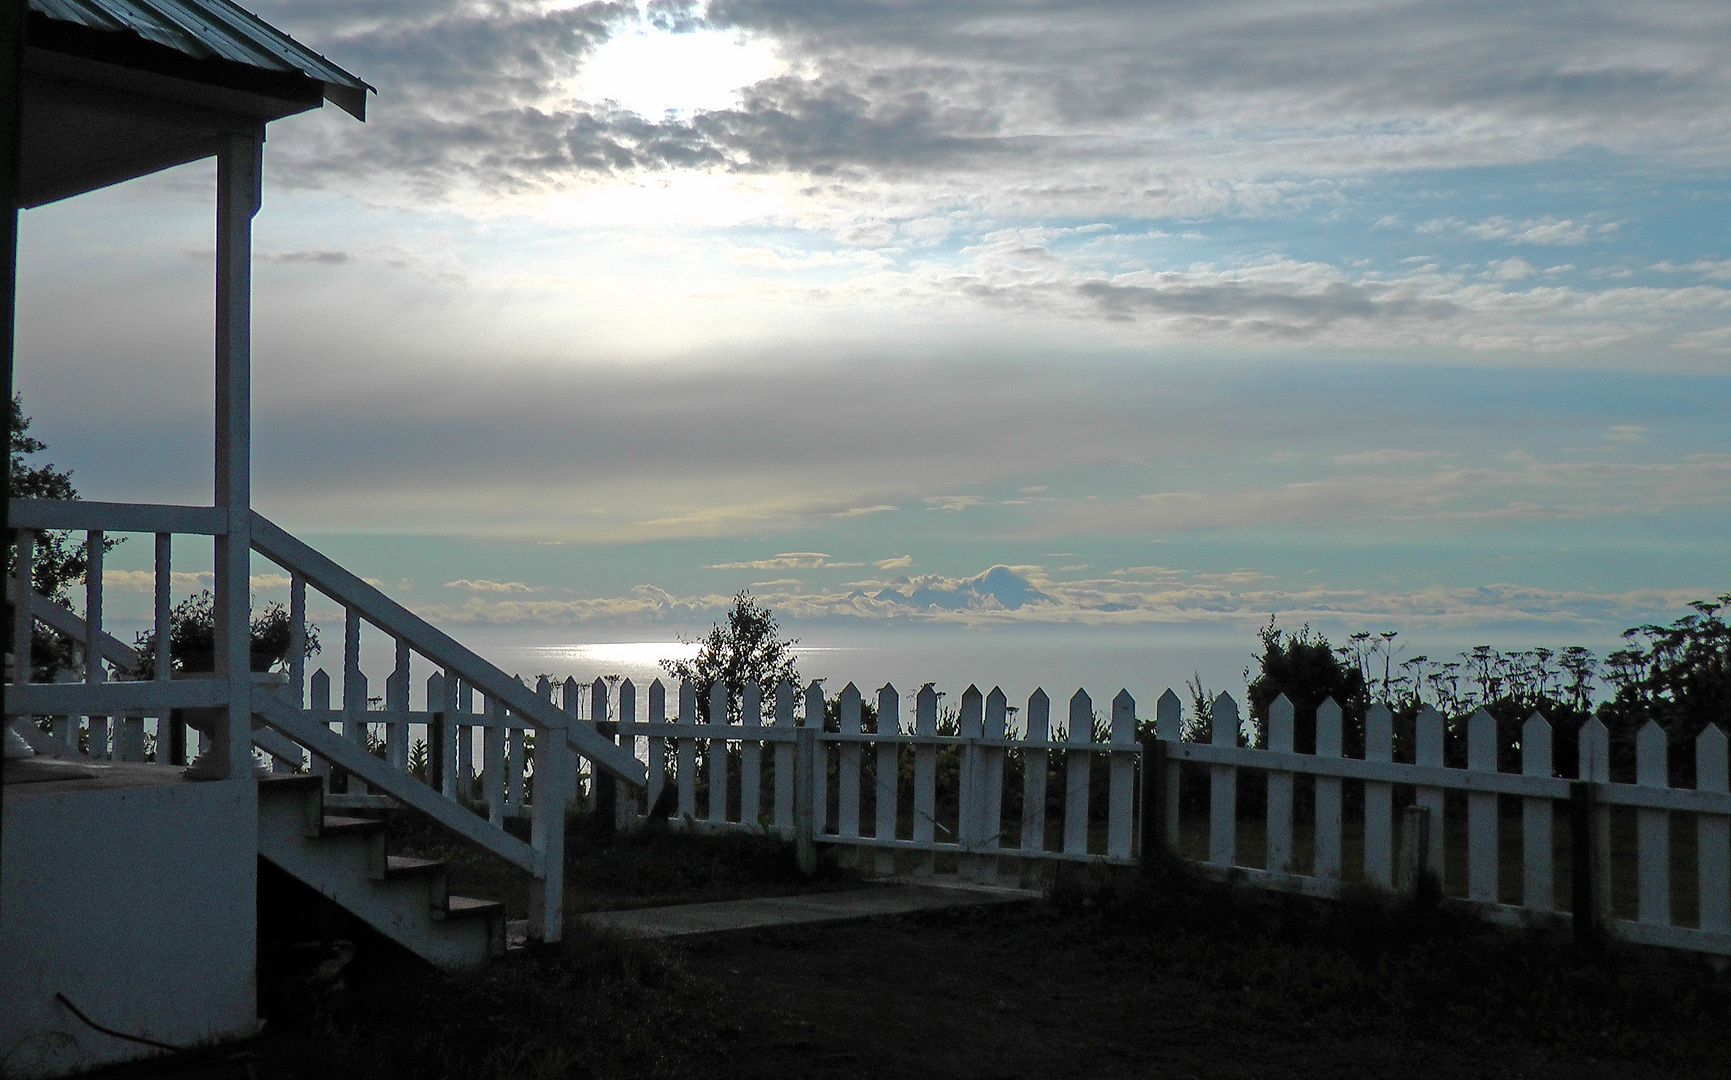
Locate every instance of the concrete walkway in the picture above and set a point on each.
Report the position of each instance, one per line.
(899, 896)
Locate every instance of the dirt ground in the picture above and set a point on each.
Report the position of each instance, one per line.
(1001, 994)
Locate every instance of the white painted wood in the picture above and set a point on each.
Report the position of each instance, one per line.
(441, 745)
(625, 796)
(1538, 875)
(1594, 764)
(438, 647)
(397, 705)
(1481, 810)
(297, 649)
(82, 515)
(718, 754)
(685, 753)
(1034, 764)
(129, 739)
(493, 762)
(162, 609)
(818, 780)
(465, 735)
(1279, 827)
(1169, 728)
(1713, 835)
(888, 775)
(784, 771)
(991, 810)
(1379, 800)
(1077, 761)
(1428, 752)
(113, 699)
(1121, 779)
(925, 775)
(319, 699)
(750, 754)
(555, 776)
(971, 796)
(23, 595)
(354, 683)
(1653, 829)
(94, 672)
(848, 765)
(1223, 787)
(657, 746)
(1328, 745)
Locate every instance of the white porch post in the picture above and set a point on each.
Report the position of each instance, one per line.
(238, 191)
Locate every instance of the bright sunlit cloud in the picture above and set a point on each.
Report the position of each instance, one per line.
(653, 72)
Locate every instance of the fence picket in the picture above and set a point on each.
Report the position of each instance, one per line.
(685, 753)
(1653, 828)
(396, 708)
(820, 774)
(750, 753)
(971, 797)
(1538, 876)
(1223, 786)
(318, 697)
(1379, 800)
(717, 755)
(625, 808)
(587, 778)
(1712, 835)
(1481, 810)
(991, 820)
(784, 757)
(1077, 761)
(493, 762)
(1169, 727)
(1594, 764)
(1121, 782)
(657, 747)
(888, 773)
(925, 774)
(1034, 764)
(847, 771)
(1327, 842)
(1428, 751)
(1280, 788)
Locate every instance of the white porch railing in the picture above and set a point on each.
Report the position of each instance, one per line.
(460, 675)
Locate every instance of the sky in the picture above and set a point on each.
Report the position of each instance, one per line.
(1070, 326)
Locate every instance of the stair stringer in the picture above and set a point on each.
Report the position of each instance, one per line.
(350, 871)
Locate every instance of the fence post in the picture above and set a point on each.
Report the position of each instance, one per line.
(1412, 854)
(1584, 870)
(1153, 798)
(804, 791)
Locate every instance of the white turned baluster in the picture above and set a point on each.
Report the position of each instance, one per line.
(991, 819)
(657, 767)
(847, 771)
(1034, 763)
(1379, 800)
(718, 752)
(1653, 828)
(1121, 783)
(1328, 745)
(1169, 727)
(1428, 751)
(685, 753)
(1713, 835)
(784, 694)
(465, 739)
(397, 710)
(925, 775)
(971, 726)
(319, 701)
(819, 779)
(888, 772)
(94, 672)
(750, 755)
(1481, 810)
(1223, 787)
(1279, 787)
(1077, 761)
(493, 761)
(516, 761)
(1538, 876)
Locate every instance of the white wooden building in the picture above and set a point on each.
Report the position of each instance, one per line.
(128, 887)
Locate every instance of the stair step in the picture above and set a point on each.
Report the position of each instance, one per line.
(402, 866)
(469, 907)
(338, 825)
(290, 782)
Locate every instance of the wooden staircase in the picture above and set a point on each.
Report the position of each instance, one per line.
(406, 899)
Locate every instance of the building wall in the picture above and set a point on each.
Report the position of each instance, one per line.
(136, 903)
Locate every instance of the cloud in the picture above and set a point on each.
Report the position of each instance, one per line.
(787, 560)
(1387, 457)
(999, 588)
(1532, 231)
(898, 562)
(1626, 433)
(485, 585)
(953, 503)
(1718, 269)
